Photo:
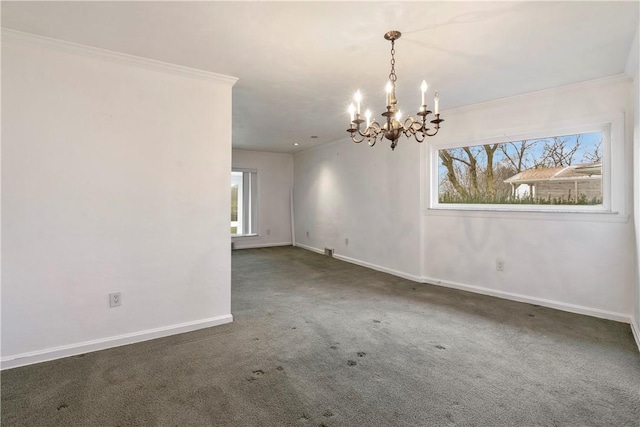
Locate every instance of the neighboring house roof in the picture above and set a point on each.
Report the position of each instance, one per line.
(570, 173)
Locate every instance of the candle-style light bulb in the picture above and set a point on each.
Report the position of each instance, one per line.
(388, 89)
(423, 88)
(436, 103)
(358, 98)
(352, 111)
(398, 115)
(368, 116)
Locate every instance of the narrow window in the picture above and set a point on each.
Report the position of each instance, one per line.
(244, 190)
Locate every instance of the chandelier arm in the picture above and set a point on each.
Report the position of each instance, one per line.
(415, 126)
(357, 141)
(375, 127)
(372, 142)
(373, 132)
(354, 137)
(379, 137)
(411, 121)
(431, 134)
(424, 136)
(414, 133)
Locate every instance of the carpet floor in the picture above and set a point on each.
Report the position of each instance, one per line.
(319, 342)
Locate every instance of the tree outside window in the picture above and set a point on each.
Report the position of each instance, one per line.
(557, 170)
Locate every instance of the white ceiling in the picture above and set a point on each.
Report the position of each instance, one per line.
(299, 63)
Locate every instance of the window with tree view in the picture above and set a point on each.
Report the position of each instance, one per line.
(555, 170)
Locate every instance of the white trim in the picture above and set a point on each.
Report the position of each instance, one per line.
(612, 127)
(571, 308)
(309, 248)
(616, 78)
(590, 124)
(468, 211)
(32, 357)
(379, 268)
(244, 236)
(376, 267)
(249, 170)
(262, 245)
(292, 215)
(635, 329)
(20, 37)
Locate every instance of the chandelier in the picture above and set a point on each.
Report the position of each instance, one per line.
(393, 127)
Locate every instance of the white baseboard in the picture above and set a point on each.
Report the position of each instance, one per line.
(309, 248)
(364, 264)
(635, 329)
(262, 245)
(571, 308)
(24, 359)
(379, 268)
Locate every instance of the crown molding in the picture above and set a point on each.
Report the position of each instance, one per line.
(601, 81)
(20, 37)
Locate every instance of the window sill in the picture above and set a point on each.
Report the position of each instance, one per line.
(542, 215)
(236, 236)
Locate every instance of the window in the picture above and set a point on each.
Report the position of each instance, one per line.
(560, 170)
(244, 190)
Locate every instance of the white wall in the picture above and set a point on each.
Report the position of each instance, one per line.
(275, 181)
(583, 265)
(115, 177)
(373, 197)
(368, 195)
(633, 70)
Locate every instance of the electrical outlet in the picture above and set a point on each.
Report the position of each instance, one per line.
(115, 299)
(307, 233)
(499, 264)
(268, 232)
(346, 241)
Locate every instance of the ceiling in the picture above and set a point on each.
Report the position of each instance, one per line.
(299, 63)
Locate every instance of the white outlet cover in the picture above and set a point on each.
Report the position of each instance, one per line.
(115, 299)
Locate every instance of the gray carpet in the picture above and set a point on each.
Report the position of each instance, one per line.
(317, 341)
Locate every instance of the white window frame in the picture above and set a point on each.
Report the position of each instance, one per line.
(248, 218)
(613, 168)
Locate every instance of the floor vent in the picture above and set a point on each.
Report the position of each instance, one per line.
(328, 252)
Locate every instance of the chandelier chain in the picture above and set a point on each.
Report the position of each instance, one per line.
(392, 76)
